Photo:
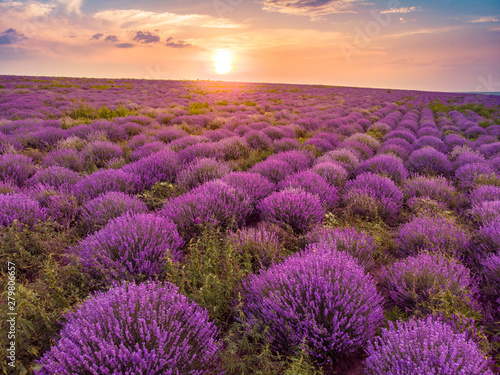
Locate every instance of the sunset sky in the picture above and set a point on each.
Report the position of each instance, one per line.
(446, 45)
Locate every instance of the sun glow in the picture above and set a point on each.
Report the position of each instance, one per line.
(223, 61)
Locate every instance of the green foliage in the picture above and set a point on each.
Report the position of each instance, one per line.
(221, 102)
(158, 194)
(101, 87)
(376, 133)
(248, 351)
(211, 273)
(197, 108)
(2, 86)
(480, 109)
(485, 124)
(28, 248)
(48, 283)
(255, 157)
(249, 103)
(395, 314)
(84, 111)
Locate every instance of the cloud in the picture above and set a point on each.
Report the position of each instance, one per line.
(111, 38)
(139, 18)
(124, 45)
(179, 44)
(25, 11)
(311, 8)
(10, 36)
(146, 37)
(484, 19)
(424, 31)
(71, 6)
(97, 36)
(400, 10)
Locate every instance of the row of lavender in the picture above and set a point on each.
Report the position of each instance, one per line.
(436, 183)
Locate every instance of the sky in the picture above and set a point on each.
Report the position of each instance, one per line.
(439, 45)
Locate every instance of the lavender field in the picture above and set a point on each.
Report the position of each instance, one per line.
(207, 227)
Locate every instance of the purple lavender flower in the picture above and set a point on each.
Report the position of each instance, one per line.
(260, 243)
(386, 166)
(358, 243)
(332, 173)
(255, 186)
(114, 132)
(414, 280)
(130, 247)
(468, 174)
(20, 208)
(370, 192)
(199, 151)
(314, 184)
(489, 235)
(424, 346)
(258, 140)
(211, 204)
(490, 150)
(429, 161)
(320, 298)
(59, 177)
(430, 141)
(273, 170)
(58, 204)
(233, 148)
(361, 150)
(468, 157)
(433, 234)
(484, 193)
(67, 158)
(16, 168)
(201, 171)
(146, 328)
(97, 212)
(162, 166)
(344, 157)
(147, 150)
(394, 149)
(100, 152)
(171, 134)
(298, 160)
(485, 212)
(292, 207)
(436, 188)
(404, 134)
(92, 185)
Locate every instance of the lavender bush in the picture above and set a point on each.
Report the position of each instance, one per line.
(433, 234)
(20, 208)
(16, 168)
(212, 204)
(144, 328)
(162, 166)
(314, 184)
(130, 247)
(358, 243)
(292, 207)
(97, 212)
(415, 280)
(370, 194)
(424, 346)
(201, 171)
(322, 299)
(384, 165)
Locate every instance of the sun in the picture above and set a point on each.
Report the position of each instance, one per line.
(223, 61)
